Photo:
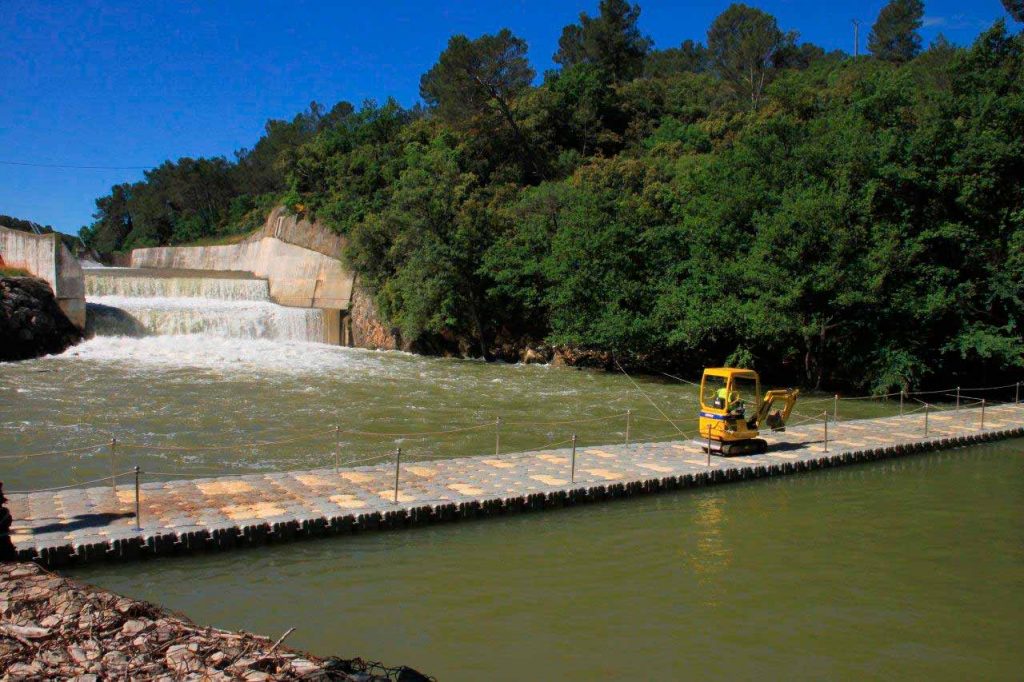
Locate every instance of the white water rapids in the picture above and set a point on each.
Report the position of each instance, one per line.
(122, 303)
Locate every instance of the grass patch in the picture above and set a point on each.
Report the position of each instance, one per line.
(7, 271)
(219, 240)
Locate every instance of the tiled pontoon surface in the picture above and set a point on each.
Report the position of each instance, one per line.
(181, 516)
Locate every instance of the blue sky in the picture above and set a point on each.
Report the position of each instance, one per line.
(128, 84)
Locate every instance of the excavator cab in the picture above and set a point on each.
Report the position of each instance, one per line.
(732, 410)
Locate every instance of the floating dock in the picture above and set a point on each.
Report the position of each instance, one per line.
(77, 526)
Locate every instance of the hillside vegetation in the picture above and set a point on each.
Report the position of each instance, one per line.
(750, 200)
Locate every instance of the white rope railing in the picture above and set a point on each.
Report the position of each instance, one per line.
(957, 393)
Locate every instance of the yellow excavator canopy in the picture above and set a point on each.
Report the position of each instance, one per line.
(730, 372)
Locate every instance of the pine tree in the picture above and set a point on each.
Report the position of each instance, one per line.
(1015, 8)
(894, 37)
(743, 43)
(611, 40)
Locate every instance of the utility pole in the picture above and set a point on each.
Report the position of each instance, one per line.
(856, 38)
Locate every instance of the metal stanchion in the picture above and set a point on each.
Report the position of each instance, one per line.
(982, 428)
(113, 465)
(138, 508)
(497, 436)
(1016, 395)
(398, 465)
(709, 445)
(337, 447)
(835, 409)
(957, 398)
(825, 415)
(902, 393)
(926, 419)
(629, 416)
(572, 470)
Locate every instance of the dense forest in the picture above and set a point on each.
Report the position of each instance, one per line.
(749, 199)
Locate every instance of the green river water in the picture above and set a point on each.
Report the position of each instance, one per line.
(907, 568)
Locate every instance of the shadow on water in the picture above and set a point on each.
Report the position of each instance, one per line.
(111, 321)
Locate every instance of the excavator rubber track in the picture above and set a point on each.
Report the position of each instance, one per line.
(753, 446)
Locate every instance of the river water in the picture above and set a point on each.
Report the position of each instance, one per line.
(914, 567)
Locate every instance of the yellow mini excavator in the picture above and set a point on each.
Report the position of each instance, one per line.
(732, 411)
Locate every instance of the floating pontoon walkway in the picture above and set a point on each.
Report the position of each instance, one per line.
(85, 525)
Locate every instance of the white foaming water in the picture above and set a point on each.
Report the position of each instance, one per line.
(243, 356)
(129, 286)
(134, 303)
(244, 319)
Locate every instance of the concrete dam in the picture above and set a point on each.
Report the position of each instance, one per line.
(129, 302)
(285, 282)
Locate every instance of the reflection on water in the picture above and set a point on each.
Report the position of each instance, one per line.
(711, 560)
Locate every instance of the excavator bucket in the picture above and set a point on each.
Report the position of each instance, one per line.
(776, 408)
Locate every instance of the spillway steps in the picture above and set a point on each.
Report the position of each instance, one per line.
(187, 516)
(131, 302)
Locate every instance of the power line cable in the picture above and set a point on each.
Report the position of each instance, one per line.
(71, 167)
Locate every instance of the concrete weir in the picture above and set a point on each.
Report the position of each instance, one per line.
(78, 526)
(46, 257)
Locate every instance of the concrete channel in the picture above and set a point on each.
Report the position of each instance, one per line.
(77, 526)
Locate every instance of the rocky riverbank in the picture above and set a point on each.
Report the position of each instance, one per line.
(31, 322)
(52, 627)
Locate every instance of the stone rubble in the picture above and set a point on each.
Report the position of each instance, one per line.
(31, 322)
(52, 627)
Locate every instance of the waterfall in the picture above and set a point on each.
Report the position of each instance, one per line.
(130, 285)
(137, 303)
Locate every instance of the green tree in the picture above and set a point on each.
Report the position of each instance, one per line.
(112, 221)
(583, 110)
(476, 82)
(421, 252)
(263, 168)
(346, 171)
(24, 225)
(1015, 8)
(742, 43)
(894, 37)
(689, 57)
(611, 40)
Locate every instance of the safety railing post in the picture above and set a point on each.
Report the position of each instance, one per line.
(982, 427)
(113, 465)
(398, 466)
(709, 445)
(572, 466)
(138, 507)
(497, 436)
(1016, 395)
(957, 398)
(825, 420)
(835, 409)
(926, 419)
(902, 393)
(629, 417)
(337, 447)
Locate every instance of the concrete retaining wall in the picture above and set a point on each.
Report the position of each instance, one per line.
(47, 258)
(301, 232)
(297, 276)
(302, 260)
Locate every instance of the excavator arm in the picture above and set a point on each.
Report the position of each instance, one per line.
(782, 401)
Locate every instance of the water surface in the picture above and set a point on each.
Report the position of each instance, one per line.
(196, 405)
(912, 568)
